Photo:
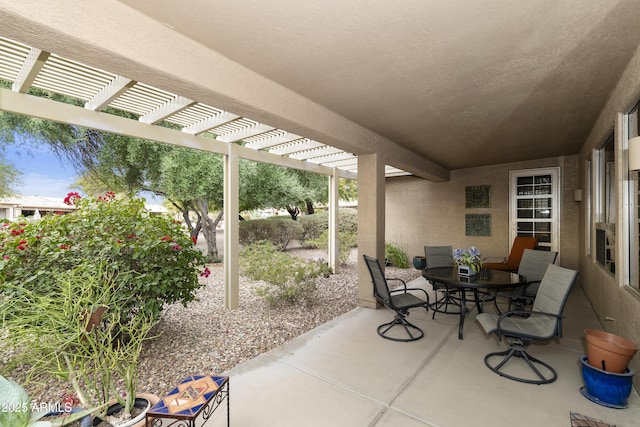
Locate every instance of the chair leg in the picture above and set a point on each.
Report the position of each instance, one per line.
(400, 320)
(445, 302)
(517, 349)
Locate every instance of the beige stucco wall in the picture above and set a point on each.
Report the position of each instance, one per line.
(421, 212)
(617, 305)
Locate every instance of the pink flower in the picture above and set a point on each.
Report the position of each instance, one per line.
(21, 248)
(72, 198)
(206, 272)
(176, 247)
(166, 238)
(6, 257)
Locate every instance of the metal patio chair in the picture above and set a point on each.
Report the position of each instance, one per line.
(400, 300)
(520, 328)
(533, 265)
(441, 256)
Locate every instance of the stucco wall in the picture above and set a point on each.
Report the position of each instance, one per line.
(617, 305)
(421, 212)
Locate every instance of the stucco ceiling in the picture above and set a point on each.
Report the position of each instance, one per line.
(463, 83)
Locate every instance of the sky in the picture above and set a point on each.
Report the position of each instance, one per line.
(43, 174)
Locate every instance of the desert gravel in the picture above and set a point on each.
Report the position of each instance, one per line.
(206, 338)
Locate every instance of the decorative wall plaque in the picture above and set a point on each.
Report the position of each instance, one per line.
(478, 224)
(478, 196)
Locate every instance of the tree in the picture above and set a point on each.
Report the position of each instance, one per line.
(269, 186)
(193, 181)
(316, 189)
(9, 177)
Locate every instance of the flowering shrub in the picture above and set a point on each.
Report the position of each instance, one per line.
(470, 257)
(157, 261)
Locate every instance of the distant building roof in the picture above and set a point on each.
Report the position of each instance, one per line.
(41, 203)
(35, 202)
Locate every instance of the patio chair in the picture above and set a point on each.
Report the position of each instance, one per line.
(512, 262)
(532, 266)
(520, 328)
(400, 300)
(441, 256)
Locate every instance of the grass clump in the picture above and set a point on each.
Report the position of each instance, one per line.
(396, 256)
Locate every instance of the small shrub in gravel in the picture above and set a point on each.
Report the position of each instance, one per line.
(346, 241)
(279, 231)
(287, 279)
(314, 225)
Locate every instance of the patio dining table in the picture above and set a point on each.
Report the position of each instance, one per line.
(482, 285)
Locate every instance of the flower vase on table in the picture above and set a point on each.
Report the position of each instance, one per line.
(468, 261)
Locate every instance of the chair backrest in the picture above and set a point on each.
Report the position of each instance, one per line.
(380, 287)
(438, 256)
(534, 264)
(552, 296)
(517, 249)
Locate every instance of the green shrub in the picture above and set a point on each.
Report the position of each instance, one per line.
(395, 256)
(288, 279)
(155, 257)
(346, 241)
(314, 225)
(280, 231)
(348, 220)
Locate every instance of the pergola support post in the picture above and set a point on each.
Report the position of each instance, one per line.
(371, 218)
(231, 229)
(333, 221)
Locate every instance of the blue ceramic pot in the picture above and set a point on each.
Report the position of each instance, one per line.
(606, 388)
(419, 262)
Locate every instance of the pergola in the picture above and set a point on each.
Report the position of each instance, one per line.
(204, 127)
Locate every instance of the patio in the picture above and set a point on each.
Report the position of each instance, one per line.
(344, 374)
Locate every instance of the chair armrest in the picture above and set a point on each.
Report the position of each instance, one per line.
(523, 313)
(525, 288)
(494, 259)
(404, 284)
(526, 313)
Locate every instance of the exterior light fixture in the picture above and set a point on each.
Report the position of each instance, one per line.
(634, 153)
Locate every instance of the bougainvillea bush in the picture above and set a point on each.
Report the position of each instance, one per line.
(155, 258)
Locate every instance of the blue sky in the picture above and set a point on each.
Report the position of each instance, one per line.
(43, 174)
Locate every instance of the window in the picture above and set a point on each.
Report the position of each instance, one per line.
(588, 218)
(535, 206)
(605, 204)
(633, 187)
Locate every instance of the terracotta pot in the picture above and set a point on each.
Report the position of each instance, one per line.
(609, 352)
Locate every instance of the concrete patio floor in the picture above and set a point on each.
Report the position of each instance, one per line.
(344, 374)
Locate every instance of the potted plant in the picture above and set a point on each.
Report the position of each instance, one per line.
(57, 334)
(18, 411)
(468, 260)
